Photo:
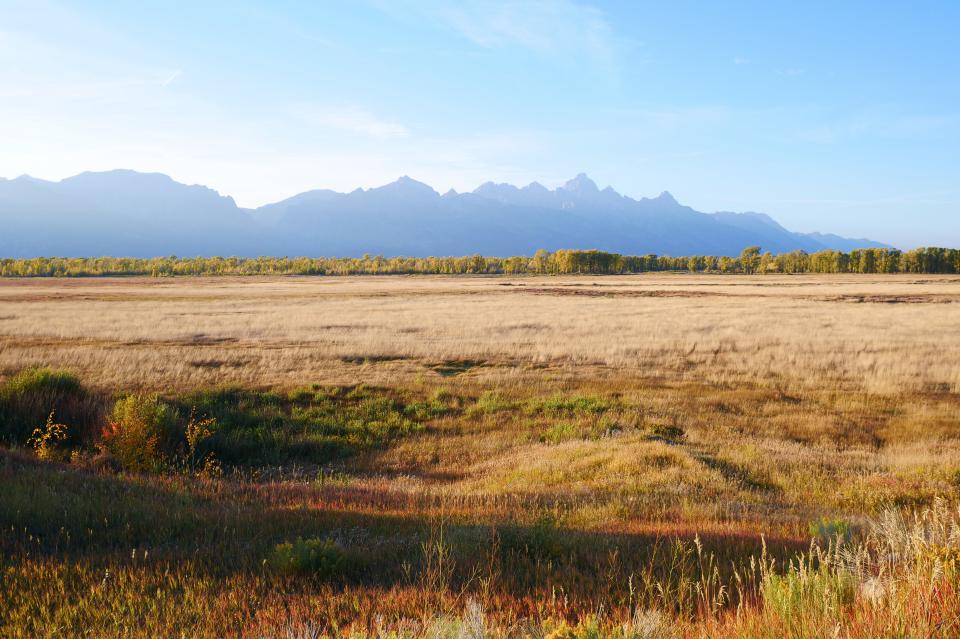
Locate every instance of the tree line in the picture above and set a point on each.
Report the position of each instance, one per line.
(562, 262)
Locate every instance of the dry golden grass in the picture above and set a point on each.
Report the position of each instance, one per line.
(878, 333)
(796, 395)
(627, 411)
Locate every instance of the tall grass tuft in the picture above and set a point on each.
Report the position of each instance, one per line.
(900, 579)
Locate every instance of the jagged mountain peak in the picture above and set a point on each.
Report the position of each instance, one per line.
(143, 215)
(406, 185)
(495, 187)
(407, 181)
(666, 197)
(535, 187)
(581, 185)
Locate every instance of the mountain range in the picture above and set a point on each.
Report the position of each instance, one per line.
(126, 213)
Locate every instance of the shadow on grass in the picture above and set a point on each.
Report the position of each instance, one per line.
(222, 528)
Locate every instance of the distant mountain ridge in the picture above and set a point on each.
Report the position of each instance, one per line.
(126, 213)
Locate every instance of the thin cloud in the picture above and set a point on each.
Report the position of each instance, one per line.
(351, 119)
(551, 28)
(170, 78)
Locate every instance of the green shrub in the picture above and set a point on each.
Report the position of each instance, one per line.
(312, 426)
(442, 402)
(560, 432)
(563, 405)
(322, 558)
(426, 410)
(301, 395)
(593, 429)
(827, 531)
(377, 421)
(489, 403)
(27, 398)
(141, 433)
(34, 380)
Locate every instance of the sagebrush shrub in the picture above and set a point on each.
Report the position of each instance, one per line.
(141, 432)
(560, 405)
(323, 558)
(490, 402)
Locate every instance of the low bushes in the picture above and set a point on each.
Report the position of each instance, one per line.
(51, 411)
(28, 398)
(141, 433)
(489, 403)
(322, 558)
(312, 425)
(560, 432)
(569, 405)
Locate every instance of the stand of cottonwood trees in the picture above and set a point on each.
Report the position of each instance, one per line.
(751, 260)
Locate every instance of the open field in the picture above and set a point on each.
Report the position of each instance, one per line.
(883, 333)
(634, 456)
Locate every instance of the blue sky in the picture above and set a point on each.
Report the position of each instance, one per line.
(841, 117)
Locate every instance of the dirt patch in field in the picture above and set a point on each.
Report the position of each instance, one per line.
(371, 359)
(592, 292)
(218, 363)
(454, 367)
(925, 298)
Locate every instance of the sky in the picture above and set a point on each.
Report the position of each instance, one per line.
(839, 117)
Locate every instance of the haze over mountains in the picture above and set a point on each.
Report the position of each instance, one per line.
(125, 213)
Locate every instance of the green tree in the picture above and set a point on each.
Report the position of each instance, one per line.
(750, 259)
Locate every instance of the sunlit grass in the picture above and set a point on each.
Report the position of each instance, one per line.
(626, 467)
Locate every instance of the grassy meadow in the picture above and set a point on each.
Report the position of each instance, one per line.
(650, 456)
